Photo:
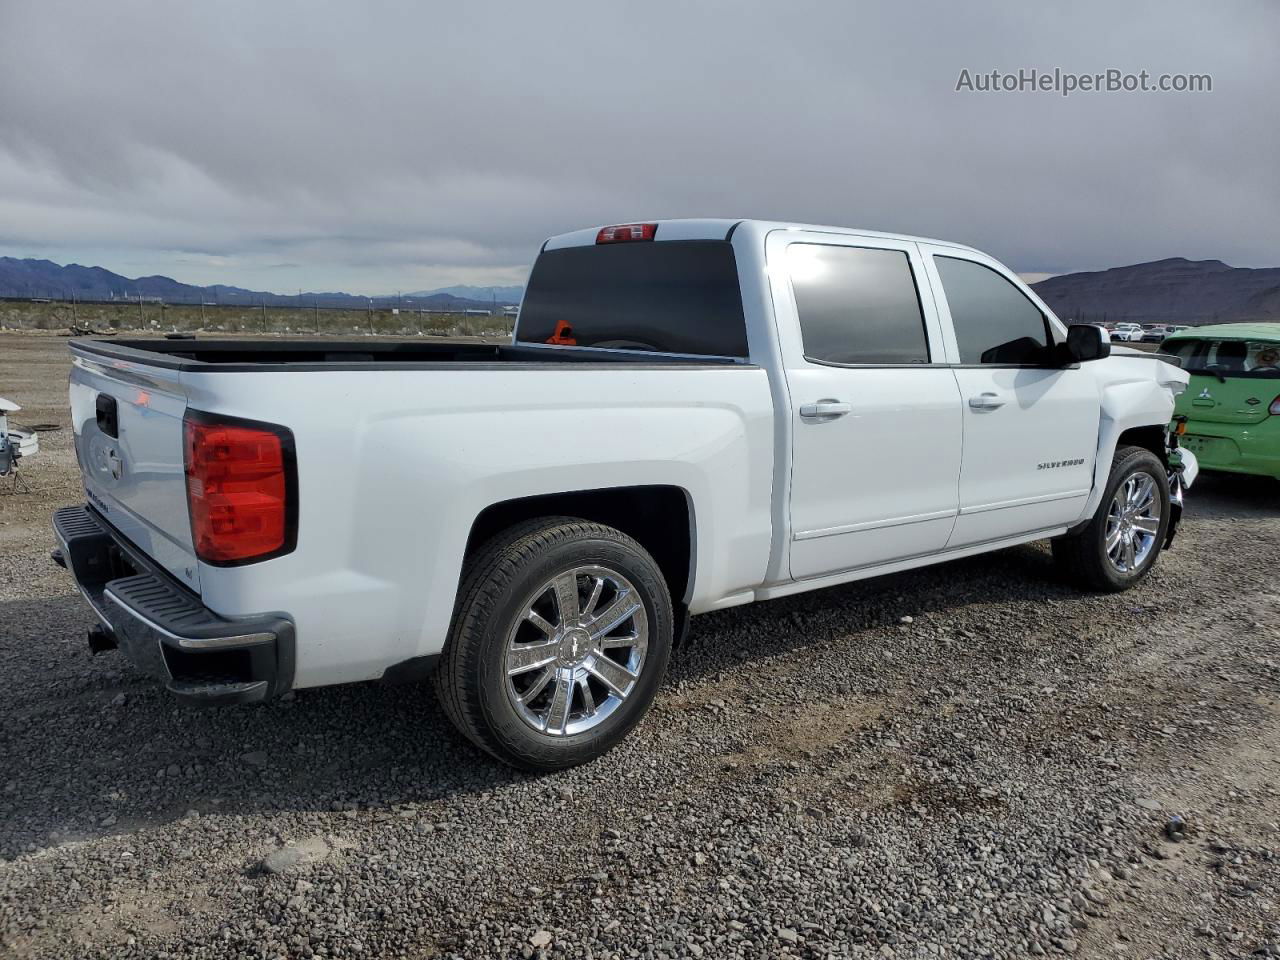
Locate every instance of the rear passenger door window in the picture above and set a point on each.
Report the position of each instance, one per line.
(857, 305)
(994, 321)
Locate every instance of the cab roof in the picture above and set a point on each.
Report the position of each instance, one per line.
(721, 229)
(1230, 331)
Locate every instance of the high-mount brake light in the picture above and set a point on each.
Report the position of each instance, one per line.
(626, 233)
(242, 489)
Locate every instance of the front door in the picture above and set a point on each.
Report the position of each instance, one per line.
(875, 422)
(1030, 430)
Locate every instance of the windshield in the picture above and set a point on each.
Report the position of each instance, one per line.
(675, 296)
(1227, 358)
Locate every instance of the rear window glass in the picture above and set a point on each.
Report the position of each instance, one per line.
(1230, 358)
(678, 296)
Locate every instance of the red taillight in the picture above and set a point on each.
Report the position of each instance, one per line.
(241, 489)
(626, 233)
(1275, 407)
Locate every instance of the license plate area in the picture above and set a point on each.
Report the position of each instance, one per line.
(1215, 449)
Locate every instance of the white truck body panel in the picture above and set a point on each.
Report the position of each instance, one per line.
(394, 467)
(895, 496)
(395, 462)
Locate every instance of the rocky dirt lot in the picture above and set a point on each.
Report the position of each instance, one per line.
(967, 761)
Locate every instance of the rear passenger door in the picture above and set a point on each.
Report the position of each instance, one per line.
(875, 411)
(1030, 427)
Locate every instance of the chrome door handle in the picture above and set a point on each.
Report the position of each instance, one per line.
(986, 401)
(824, 409)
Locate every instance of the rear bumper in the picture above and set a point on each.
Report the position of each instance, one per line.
(204, 659)
(1254, 449)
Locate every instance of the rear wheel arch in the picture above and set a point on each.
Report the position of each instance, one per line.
(660, 518)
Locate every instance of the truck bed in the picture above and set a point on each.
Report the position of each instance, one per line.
(244, 355)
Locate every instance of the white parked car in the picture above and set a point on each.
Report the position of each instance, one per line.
(1128, 332)
(691, 415)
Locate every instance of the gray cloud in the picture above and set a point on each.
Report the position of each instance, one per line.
(398, 145)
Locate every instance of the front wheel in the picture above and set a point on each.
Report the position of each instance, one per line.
(559, 643)
(1120, 545)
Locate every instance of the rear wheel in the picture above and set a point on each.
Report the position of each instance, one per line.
(1122, 542)
(559, 643)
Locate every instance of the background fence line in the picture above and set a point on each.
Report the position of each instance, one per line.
(106, 316)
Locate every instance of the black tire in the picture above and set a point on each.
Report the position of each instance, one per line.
(1082, 556)
(496, 583)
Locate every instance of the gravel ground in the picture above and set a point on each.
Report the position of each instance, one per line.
(966, 761)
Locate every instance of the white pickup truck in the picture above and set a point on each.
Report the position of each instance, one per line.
(692, 415)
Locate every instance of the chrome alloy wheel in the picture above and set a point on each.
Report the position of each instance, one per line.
(577, 650)
(1133, 523)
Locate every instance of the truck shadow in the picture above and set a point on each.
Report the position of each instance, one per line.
(1234, 495)
(88, 746)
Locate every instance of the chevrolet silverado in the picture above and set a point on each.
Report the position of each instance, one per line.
(691, 415)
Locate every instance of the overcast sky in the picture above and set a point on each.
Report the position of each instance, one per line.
(378, 146)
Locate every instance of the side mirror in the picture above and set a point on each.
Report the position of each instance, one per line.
(1086, 342)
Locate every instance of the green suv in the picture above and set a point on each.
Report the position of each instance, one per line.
(1232, 403)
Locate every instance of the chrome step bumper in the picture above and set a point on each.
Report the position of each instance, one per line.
(165, 631)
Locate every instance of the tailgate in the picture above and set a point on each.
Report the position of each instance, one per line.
(129, 442)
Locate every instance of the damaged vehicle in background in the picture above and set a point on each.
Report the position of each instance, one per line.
(691, 415)
(1232, 406)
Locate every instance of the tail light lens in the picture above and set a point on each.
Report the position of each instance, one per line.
(242, 489)
(1275, 407)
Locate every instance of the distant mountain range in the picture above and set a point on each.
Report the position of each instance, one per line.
(44, 279)
(467, 292)
(1175, 290)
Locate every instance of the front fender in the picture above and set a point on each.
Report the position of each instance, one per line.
(1138, 399)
